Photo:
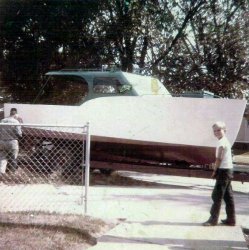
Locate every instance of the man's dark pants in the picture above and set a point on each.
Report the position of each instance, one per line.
(223, 190)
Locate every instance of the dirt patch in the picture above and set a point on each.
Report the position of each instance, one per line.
(50, 231)
(115, 179)
(25, 176)
(34, 230)
(19, 231)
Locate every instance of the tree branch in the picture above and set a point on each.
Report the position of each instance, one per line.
(188, 17)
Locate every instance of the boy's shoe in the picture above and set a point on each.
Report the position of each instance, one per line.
(209, 223)
(228, 223)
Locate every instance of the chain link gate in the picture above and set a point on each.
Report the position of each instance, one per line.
(44, 169)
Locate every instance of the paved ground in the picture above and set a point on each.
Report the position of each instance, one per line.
(169, 217)
(242, 158)
(165, 217)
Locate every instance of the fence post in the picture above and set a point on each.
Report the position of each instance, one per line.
(49, 156)
(87, 166)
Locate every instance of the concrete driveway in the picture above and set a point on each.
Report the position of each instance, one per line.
(168, 217)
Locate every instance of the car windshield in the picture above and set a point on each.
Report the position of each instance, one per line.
(63, 90)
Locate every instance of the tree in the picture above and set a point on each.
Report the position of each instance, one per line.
(137, 29)
(214, 54)
(190, 45)
(37, 34)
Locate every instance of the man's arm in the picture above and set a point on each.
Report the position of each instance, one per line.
(19, 132)
(218, 160)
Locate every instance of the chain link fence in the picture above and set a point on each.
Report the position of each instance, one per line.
(42, 168)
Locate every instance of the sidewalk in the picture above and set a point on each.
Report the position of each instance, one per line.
(168, 217)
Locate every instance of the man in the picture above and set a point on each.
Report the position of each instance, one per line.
(223, 172)
(13, 113)
(9, 135)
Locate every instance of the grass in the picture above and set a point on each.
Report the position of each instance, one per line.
(50, 231)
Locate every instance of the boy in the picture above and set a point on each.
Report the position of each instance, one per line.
(223, 172)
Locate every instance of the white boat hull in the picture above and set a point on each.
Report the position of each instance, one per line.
(172, 128)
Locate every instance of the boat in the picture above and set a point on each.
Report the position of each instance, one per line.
(133, 118)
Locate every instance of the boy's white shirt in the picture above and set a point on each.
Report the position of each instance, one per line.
(226, 160)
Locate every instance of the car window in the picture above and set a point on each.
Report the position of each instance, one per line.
(63, 90)
(106, 85)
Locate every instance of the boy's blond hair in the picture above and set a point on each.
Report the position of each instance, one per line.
(220, 125)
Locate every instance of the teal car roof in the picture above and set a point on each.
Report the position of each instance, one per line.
(85, 73)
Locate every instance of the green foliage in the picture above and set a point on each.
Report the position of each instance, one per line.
(37, 35)
(190, 45)
(215, 54)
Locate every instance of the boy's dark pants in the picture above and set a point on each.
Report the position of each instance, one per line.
(223, 190)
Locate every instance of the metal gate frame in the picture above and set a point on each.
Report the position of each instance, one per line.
(85, 161)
